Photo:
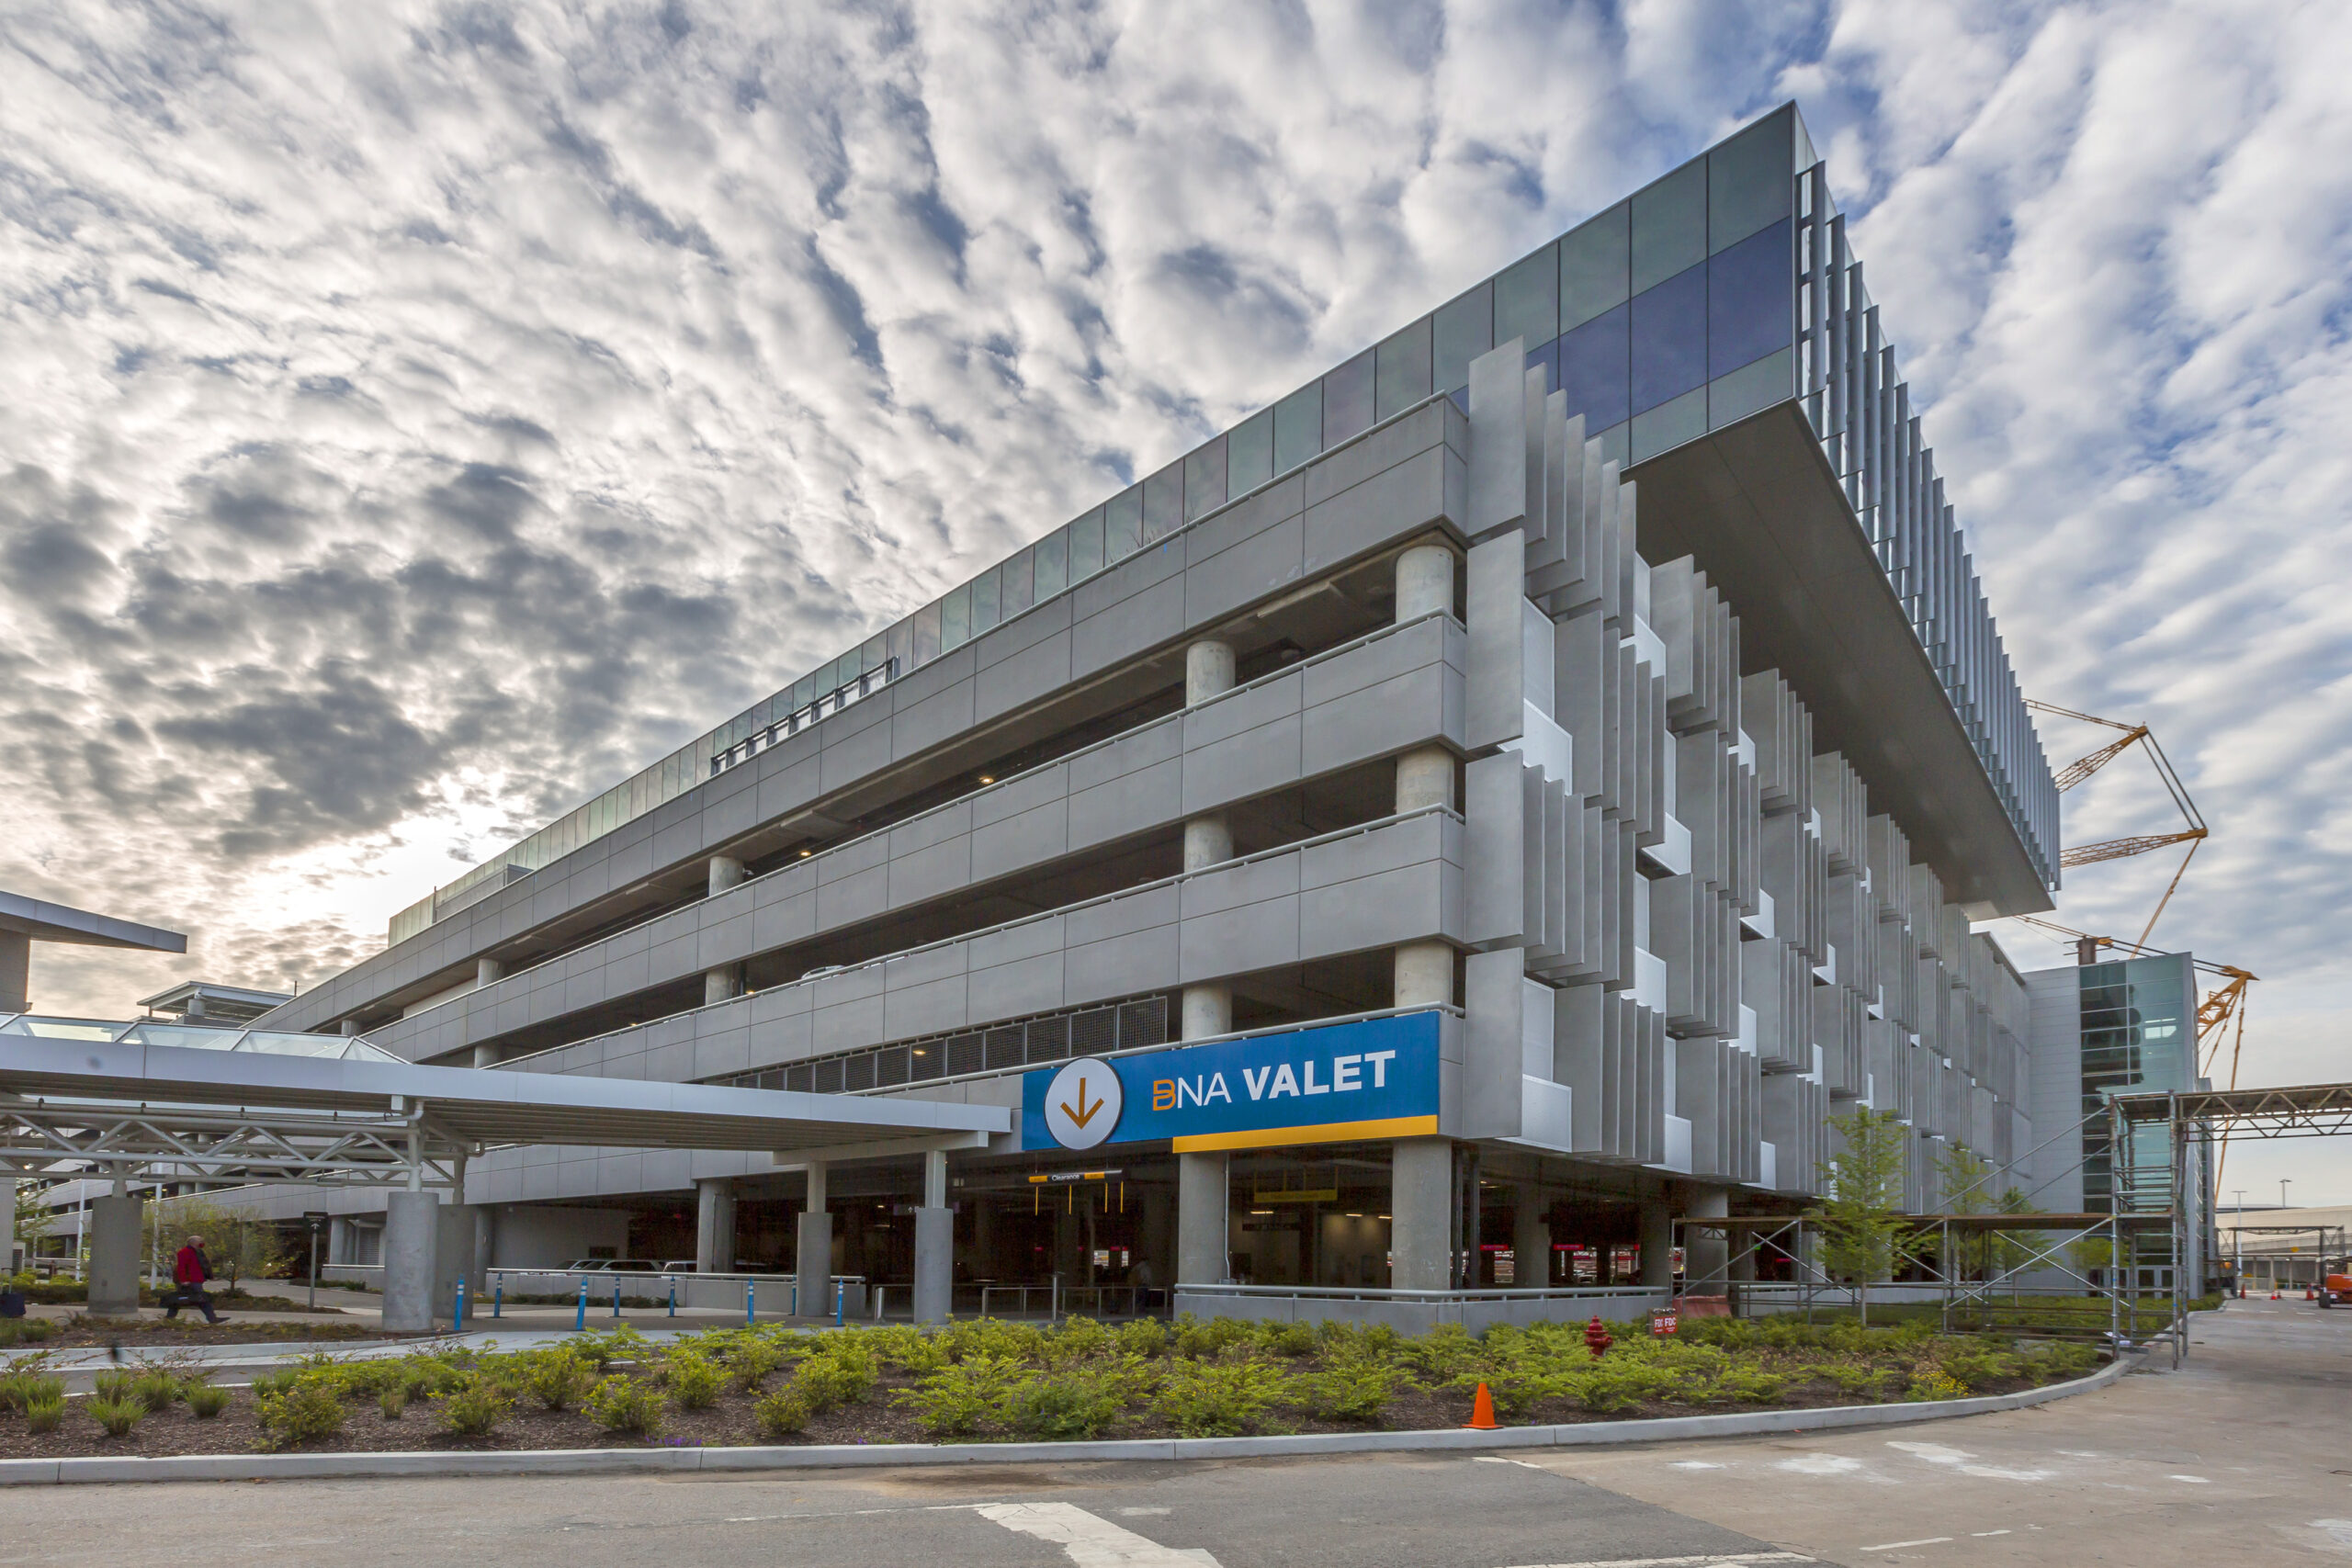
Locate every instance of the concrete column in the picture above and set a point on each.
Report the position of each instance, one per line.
(348, 1026)
(1424, 778)
(1202, 1205)
(1420, 1210)
(338, 1240)
(1207, 1009)
(1707, 1259)
(485, 1243)
(1424, 580)
(485, 1056)
(1657, 1241)
(722, 984)
(814, 1253)
(713, 1225)
(412, 1240)
(726, 871)
(934, 1243)
(118, 1243)
(16, 972)
(1531, 1239)
(456, 1231)
(488, 972)
(1424, 974)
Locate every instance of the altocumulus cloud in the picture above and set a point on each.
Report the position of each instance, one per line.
(417, 416)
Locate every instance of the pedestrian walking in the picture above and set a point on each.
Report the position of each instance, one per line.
(190, 1269)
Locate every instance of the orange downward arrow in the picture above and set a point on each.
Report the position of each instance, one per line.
(1082, 1117)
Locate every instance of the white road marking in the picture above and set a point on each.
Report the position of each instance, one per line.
(1979, 1535)
(2198, 1480)
(1894, 1545)
(1738, 1560)
(1695, 1464)
(1497, 1459)
(1091, 1542)
(1143, 1513)
(1937, 1453)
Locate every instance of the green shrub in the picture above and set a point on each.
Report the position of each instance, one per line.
(474, 1408)
(392, 1401)
(269, 1385)
(205, 1402)
(1747, 1385)
(1069, 1405)
(115, 1386)
(1974, 1368)
(1199, 1341)
(309, 1411)
(27, 1330)
(1145, 1336)
(1444, 1354)
(1219, 1399)
(842, 1373)
(1357, 1389)
(1936, 1383)
(781, 1414)
(1022, 1342)
(1079, 1340)
(751, 1362)
(625, 1404)
(558, 1377)
(117, 1416)
(954, 1400)
(1289, 1338)
(156, 1390)
(693, 1380)
(44, 1408)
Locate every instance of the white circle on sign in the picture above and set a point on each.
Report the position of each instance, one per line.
(1082, 1103)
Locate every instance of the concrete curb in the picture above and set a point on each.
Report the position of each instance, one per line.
(591, 1461)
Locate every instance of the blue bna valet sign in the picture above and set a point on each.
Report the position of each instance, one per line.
(1376, 1078)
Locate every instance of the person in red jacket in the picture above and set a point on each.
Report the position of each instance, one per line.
(191, 1268)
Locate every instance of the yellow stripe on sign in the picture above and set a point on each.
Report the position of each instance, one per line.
(1328, 1133)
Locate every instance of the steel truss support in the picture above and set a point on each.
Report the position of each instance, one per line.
(209, 1148)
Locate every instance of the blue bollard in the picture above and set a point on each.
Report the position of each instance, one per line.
(457, 1317)
(580, 1318)
(498, 1300)
(674, 1298)
(751, 1303)
(617, 1297)
(841, 1288)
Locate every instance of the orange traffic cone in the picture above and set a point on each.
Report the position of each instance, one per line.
(1482, 1414)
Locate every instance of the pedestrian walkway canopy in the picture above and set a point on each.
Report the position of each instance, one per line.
(176, 1102)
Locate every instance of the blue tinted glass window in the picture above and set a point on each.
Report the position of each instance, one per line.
(1461, 331)
(1204, 479)
(1592, 267)
(1164, 502)
(986, 611)
(1751, 179)
(804, 691)
(1751, 298)
(1053, 564)
(1086, 545)
(1019, 583)
(1123, 525)
(955, 618)
(926, 638)
(1347, 400)
(1670, 226)
(1670, 339)
(1250, 454)
(1400, 375)
(1527, 299)
(1546, 356)
(1298, 428)
(1596, 368)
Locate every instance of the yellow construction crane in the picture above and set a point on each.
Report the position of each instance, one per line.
(2082, 768)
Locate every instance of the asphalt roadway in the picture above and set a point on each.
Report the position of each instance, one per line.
(2235, 1456)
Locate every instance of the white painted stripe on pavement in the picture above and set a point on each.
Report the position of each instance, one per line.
(1092, 1543)
(1708, 1560)
(1892, 1545)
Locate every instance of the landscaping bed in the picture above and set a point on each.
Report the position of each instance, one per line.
(995, 1381)
(83, 1332)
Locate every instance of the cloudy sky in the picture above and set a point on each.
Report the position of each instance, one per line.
(415, 417)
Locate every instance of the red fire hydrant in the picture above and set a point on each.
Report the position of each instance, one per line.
(1597, 1338)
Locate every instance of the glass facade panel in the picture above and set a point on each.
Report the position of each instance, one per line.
(1204, 479)
(1123, 525)
(1347, 400)
(987, 609)
(1752, 387)
(1546, 358)
(1751, 299)
(927, 633)
(1460, 332)
(902, 646)
(1053, 564)
(956, 618)
(1250, 454)
(1019, 585)
(1751, 181)
(1669, 347)
(1670, 425)
(2138, 1036)
(876, 652)
(1527, 299)
(1298, 428)
(1400, 375)
(1592, 267)
(1596, 368)
(1670, 226)
(804, 691)
(1164, 502)
(1086, 546)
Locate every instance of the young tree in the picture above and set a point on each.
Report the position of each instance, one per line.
(237, 1243)
(1863, 1233)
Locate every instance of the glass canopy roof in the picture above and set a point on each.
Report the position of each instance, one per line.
(195, 1037)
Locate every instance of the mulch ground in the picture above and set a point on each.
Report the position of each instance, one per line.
(730, 1423)
(86, 1333)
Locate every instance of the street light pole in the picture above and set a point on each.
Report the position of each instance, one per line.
(2237, 1242)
